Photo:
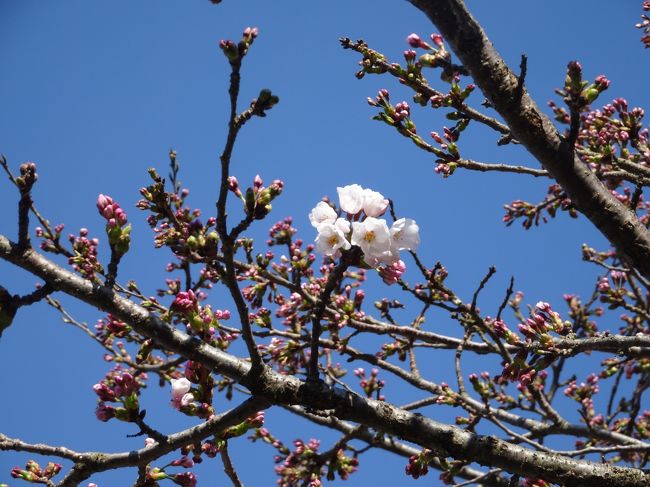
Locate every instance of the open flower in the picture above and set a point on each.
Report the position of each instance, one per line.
(332, 237)
(322, 213)
(373, 236)
(405, 234)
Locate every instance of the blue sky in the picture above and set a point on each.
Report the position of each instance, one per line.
(97, 92)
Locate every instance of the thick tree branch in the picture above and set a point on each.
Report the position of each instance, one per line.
(536, 132)
(444, 440)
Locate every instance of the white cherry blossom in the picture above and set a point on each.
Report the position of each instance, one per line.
(405, 234)
(322, 213)
(351, 198)
(373, 236)
(331, 237)
(374, 203)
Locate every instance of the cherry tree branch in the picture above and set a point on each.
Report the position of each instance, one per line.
(88, 463)
(444, 440)
(536, 132)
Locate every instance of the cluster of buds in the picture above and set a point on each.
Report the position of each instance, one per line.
(33, 472)
(119, 387)
(436, 56)
(555, 199)
(111, 327)
(50, 242)
(379, 244)
(399, 347)
(84, 260)
(299, 261)
(155, 474)
(519, 370)
(257, 200)
(484, 386)
(236, 51)
(253, 422)
(175, 225)
(579, 93)
(644, 25)
(544, 321)
(117, 227)
(398, 116)
(448, 152)
(502, 330)
(418, 465)
(583, 394)
(301, 465)
(288, 356)
(27, 177)
(281, 233)
(370, 385)
(447, 396)
(611, 289)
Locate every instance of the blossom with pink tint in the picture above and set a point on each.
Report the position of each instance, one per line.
(185, 302)
(374, 203)
(104, 412)
(111, 211)
(414, 40)
(180, 392)
(185, 479)
(184, 461)
(392, 273)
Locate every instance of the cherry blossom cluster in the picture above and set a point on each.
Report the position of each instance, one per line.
(362, 228)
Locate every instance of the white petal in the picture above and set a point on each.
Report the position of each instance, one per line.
(322, 213)
(405, 234)
(351, 198)
(330, 240)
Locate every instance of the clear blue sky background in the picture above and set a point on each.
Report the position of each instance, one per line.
(97, 92)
